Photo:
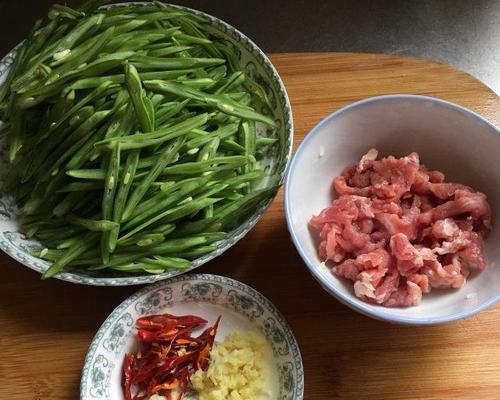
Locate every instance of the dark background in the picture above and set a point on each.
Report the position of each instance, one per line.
(463, 33)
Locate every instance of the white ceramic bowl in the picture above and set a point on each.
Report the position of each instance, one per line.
(448, 137)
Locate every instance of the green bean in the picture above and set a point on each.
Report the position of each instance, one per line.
(265, 141)
(166, 189)
(122, 124)
(232, 146)
(120, 41)
(213, 164)
(136, 267)
(39, 37)
(174, 214)
(101, 65)
(147, 238)
(129, 26)
(92, 96)
(163, 160)
(67, 204)
(82, 115)
(191, 39)
(217, 101)
(115, 20)
(197, 252)
(220, 215)
(166, 113)
(90, 83)
(139, 98)
(198, 83)
(109, 238)
(81, 187)
(151, 17)
(83, 53)
(142, 239)
(137, 127)
(57, 48)
(92, 225)
(165, 229)
(209, 150)
(129, 173)
(221, 133)
(148, 63)
(48, 254)
(164, 200)
(80, 157)
(68, 243)
(169, 247)
(59, 10)
(16, 138)
(169, 262)
(60, 233)
(176, 246)
(71, 254)
(131, 9)
(159, 136)
(92, 174)
(245, 178)
(74, 142)
(230, 195)
(151, 239)
(248, 138)
(218, 72)
(167, 51)
(146, 115)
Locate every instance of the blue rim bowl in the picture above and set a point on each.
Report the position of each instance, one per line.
(335, 286)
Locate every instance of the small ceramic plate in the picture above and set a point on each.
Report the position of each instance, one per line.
(208, 296)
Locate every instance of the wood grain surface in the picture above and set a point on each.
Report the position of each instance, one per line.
(46, 327)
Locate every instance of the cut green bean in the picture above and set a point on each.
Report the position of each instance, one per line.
(93, 225)
(149, 63)
(217, 101)
(159, 136)
(137, 128)
(70, 255)
(109, 237)
(164, 159)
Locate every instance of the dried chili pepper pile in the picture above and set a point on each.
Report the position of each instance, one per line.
(168, 357)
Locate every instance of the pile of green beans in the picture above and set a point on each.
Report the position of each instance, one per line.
(132, 138)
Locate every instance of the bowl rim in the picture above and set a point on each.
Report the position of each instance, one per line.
(120, 308)
(38, 265)
(327, 284)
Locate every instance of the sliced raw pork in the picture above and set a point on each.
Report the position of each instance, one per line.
(397, 229)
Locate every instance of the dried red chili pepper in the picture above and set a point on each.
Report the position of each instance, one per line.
(169, 356)
(127, 375)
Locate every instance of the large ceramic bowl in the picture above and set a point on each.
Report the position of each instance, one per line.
(208, 296)
(255, 63)
(447, 137)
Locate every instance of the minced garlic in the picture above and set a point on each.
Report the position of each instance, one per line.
(237, 369)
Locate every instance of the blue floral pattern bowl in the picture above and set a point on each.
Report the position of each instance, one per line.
(241, 308)
(255, 63)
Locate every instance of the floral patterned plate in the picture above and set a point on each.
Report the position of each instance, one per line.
(241, 307)
(255, 63)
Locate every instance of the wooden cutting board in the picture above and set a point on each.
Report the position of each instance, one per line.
(46, 327)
